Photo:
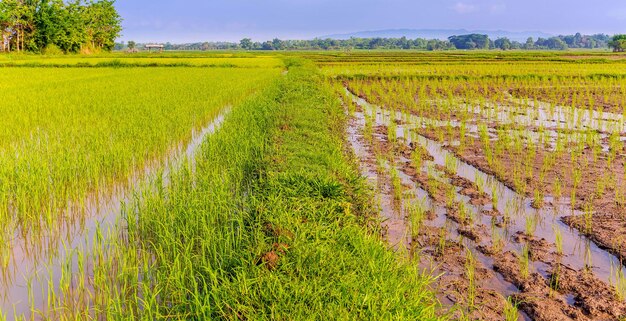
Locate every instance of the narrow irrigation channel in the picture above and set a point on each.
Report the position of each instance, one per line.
(497, 256)
(31, 281)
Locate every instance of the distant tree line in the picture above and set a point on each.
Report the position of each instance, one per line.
(464, 42)
(58, 26)
(197, 46)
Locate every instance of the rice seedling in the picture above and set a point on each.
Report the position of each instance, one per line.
(480, 181)
(470, 275)
(224, 231)
(588, 217)
(53, 163)
(558, 236)
(538, 199)
(416, 213)
(555, 279)
(451, 164)
(531, 225)
(618, 281)
(231, 225)
(524, 261)
(396, 182)
(497, 240)
(417, 158)
(495, 194)
(441, 246)
(392, 131)
(510, 310)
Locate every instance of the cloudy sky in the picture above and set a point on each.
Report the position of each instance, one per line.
(231, 20)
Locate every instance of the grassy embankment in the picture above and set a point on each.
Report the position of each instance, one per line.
(272, 224)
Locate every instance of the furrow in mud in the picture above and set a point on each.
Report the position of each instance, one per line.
(474, 216)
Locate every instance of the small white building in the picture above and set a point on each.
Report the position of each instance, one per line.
(154, 46)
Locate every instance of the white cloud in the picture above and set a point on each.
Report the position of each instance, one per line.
(464, 8)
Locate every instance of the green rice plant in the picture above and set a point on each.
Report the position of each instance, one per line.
(451, 164)
(538, 199)
(511, 312)
(618, 281)
(72, 135)
(557, 188)
(417, 159)
(450, 196)
(236, 228)
(531, 225)
(588, 217)
(392, 131)
(463, 213)
(497, 240)
(470, 275)
(416, 213)
(558, 239)
(495, 194)
(620, 198)
(555, 279)
(368, 128)
(572, 198)
(396, 183)
(588, 257)
(524, 262)
(441, 246)
(480, 181)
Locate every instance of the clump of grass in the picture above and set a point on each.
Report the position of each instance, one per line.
(588, 217)
(555, 278)
(531, 225)
(416, 213)
(619, 281)
(470, 275)
(441, 246)
(511, 312)
(558, 239)
(525, 262)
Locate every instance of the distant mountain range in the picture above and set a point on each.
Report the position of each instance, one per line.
(438, 34)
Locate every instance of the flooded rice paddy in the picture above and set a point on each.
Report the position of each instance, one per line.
(485, 240)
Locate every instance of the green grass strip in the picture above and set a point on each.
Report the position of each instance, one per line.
(272, 225)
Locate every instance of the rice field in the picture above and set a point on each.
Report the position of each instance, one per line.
(508, 179)
(313, 186)
(72, 139)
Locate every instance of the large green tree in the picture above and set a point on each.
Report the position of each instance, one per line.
(618, 43)
(72, 26)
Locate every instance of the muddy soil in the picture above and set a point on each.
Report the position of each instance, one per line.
(608, 224)
(566, 95)
(463, 218)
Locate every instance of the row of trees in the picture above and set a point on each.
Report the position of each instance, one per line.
(478, 41)
(52, 25)
(465, 42)
(196, 46)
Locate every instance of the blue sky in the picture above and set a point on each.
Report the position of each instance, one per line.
(231, 20)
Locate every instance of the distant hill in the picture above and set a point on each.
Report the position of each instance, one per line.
(438, 34)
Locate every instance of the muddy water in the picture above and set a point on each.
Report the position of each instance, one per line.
(396, 220)
(29, 278)
(579, 252)
(393, 220)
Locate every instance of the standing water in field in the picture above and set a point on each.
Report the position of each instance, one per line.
(508, 219)
(33, 283)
